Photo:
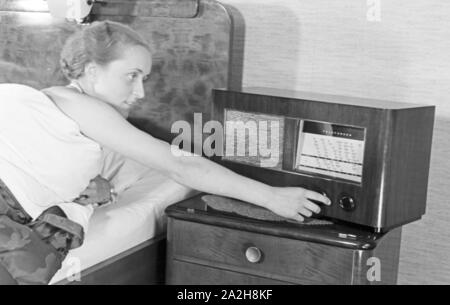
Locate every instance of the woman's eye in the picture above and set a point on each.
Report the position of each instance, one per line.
(132, 76)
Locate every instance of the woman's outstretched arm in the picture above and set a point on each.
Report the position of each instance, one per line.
(103, 124)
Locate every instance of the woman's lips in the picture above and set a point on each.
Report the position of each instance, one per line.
(130, 103)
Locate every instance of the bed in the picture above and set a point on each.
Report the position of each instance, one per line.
(190, 41)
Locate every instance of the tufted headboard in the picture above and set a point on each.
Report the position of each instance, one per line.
(190, 41)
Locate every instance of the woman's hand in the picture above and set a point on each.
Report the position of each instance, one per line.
(294, 202)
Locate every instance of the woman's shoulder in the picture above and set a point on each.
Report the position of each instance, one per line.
(18, 97)
(80, 107)
(22, 105)
(15, 86)
(4, 86)
(69, 95)
(70, 99)
(18, 90)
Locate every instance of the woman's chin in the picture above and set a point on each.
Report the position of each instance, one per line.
(123, 110)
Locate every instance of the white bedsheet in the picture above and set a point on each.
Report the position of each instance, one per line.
(137, 217)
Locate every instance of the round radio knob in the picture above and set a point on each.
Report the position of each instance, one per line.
(253, 255)
(347, 203)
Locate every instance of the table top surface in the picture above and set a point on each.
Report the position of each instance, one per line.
(209, 209)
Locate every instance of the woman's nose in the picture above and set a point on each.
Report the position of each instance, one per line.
(138, 90)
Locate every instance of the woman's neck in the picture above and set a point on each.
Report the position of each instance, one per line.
(84, 87)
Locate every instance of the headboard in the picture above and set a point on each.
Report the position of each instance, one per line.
(190, 41)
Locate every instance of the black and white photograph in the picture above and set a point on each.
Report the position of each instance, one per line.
(222, 148)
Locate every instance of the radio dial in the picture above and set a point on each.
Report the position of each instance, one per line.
(347, 203)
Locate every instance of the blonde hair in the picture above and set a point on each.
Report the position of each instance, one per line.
(101, 42)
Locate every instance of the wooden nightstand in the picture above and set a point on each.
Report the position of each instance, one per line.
(205, 246)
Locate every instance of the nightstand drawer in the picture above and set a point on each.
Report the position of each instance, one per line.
(194, 274)
(267, 256)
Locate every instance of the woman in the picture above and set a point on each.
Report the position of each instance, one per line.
(111, 81)
(106, 64)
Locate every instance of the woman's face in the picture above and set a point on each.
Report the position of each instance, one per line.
(120, 83)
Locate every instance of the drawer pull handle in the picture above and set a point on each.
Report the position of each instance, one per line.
(253, 255)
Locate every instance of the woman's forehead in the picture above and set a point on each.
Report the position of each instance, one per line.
(134, 58)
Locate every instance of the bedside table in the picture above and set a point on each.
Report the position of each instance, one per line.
(206, 246)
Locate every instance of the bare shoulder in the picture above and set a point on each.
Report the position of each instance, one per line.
(102, 123)
(64, 95)
(72, 102)
(60, 92)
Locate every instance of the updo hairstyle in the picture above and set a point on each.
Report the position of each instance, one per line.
(101, 42)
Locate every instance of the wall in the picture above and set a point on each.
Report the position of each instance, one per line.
(331, 46)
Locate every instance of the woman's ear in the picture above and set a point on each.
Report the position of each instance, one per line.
(90, 70)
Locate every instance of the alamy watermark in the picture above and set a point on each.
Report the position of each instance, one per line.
(238, 138)
(374, 272)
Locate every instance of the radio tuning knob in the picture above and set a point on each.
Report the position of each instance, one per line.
(347, 203)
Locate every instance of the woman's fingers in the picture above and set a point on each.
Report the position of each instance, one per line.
(297, 203)
(298, 217)
(311, 206)
(317, 197)
(305, 212)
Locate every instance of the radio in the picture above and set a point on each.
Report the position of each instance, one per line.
(369, 157)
